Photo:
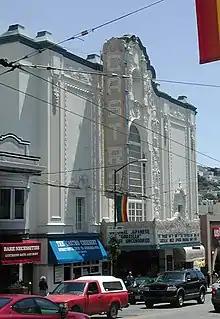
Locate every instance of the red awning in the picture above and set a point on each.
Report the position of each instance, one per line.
(27, 251)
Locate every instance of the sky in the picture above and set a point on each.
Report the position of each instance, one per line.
(168, 30)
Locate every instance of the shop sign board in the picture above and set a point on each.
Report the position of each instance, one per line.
(115, 125)
(131, 236)
(216, 232)
(20, 253)
(178, 232)
(178, 238)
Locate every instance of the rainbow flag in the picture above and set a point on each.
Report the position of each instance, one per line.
(121, 207)
(208, 22)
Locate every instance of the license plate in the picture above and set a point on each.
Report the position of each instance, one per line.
(137, 297)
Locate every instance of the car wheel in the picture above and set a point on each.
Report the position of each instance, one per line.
(180, 299)
(149, 304)
(217, 308)
(113, 312)
(76, 309)
(132, 301)
(201, 298)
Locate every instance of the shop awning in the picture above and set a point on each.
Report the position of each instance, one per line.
(76, 250)
(193, 253)
(26, 251)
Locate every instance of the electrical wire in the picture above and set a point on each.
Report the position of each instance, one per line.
(50, 68)
(123, 117)
(57, 184)
(91, 120)
(83, 33)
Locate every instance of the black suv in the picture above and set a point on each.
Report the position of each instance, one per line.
(175, 287)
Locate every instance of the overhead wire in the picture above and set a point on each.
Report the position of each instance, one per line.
(83, 33)
(89, 119)
(119, 115)
(51, 68)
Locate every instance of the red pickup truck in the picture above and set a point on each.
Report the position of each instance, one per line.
(92, 295)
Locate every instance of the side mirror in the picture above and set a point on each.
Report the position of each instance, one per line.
(89, 292)
(188, 279)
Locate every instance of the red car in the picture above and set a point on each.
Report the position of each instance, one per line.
(30, 306)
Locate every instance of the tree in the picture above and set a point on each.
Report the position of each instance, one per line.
(113, 252)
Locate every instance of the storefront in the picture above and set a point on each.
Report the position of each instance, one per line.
(210, 235)
(179, 244)
(16, 263)
(70, 257)
(138, 252)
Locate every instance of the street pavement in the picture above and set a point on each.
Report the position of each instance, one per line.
(190, 310)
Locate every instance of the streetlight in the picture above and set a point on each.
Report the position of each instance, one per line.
(141, 160)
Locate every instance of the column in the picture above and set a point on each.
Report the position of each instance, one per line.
(20, 272)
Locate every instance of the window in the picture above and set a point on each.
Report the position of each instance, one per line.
(12, 203)
(200, 275)
(135, 211)
(47, 307)
(193, 275)
(72, 288)
(112, 285)
(19, 203)
(93, 288)
(5, 203)
(80, 212)
(4, 301)
(26, 306)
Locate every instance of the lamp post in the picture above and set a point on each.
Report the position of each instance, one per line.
(141, 160)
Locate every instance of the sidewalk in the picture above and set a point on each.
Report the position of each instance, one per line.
(209, 290)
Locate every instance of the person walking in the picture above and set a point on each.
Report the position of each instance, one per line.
(43, 287)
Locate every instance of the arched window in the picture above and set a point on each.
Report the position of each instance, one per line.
(137, 88)
(137, 178)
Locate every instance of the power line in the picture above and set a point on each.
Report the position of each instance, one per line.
(137, 124)
(72, 112)
(83, 33)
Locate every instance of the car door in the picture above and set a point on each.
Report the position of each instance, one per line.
(48, 309)
(195, 283)
(94, 299)
(188, 286)
(25, 307)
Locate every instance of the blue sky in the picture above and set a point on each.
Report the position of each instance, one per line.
(168, 30)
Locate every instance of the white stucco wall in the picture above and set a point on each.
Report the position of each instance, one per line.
(167, 131)
(59, 133)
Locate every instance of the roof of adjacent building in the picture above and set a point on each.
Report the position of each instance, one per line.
(43, 39)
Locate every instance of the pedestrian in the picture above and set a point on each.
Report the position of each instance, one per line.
(43, 287)
(130, 278)
(208, 278)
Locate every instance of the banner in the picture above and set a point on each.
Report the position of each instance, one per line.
(121, 207)
(208, 22)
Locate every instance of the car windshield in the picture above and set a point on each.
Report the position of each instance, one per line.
(4, 302)
(170, 276)
(72, 288)
(138, 281)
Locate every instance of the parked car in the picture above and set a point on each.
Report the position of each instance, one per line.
(29, 306)
(136, 290)
(175, 287)
(216, 295)
(92, 295)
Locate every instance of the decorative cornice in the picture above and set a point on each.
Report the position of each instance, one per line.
(14, 137)
(46, 44)
(134, 39)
